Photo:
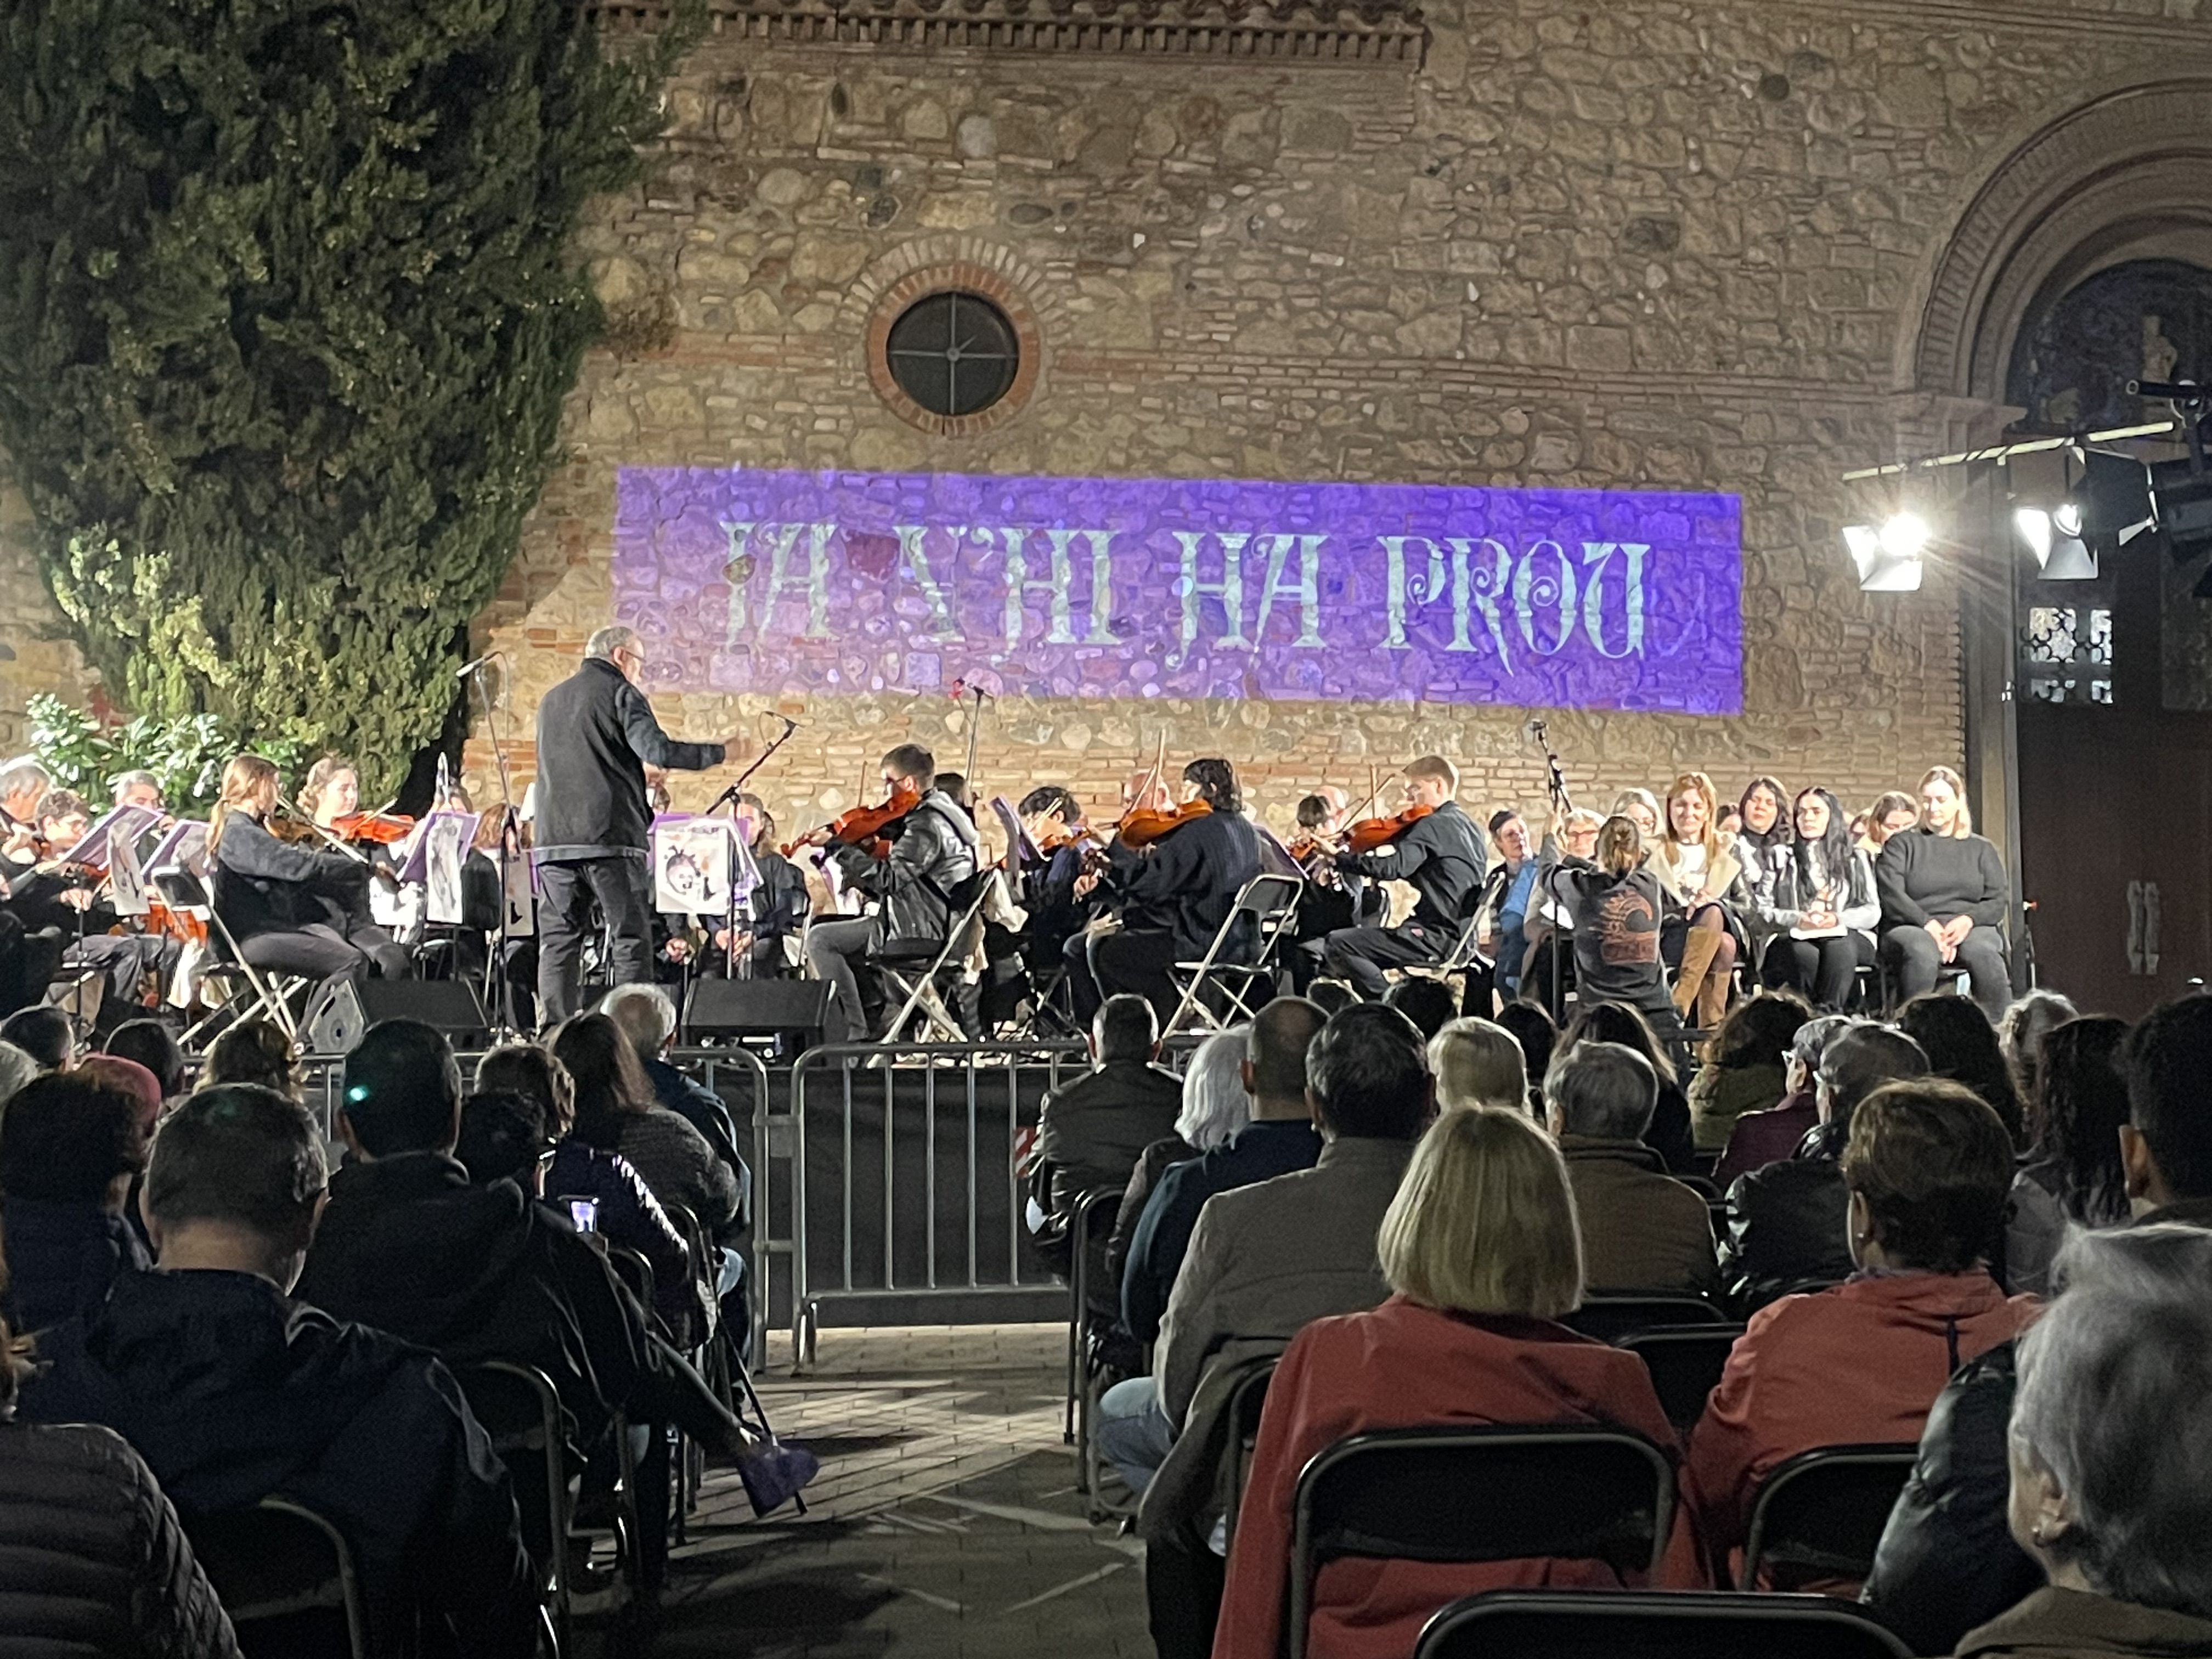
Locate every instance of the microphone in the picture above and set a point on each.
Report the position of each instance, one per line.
(467, 669)
(962, 688)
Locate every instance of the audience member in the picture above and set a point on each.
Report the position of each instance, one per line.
(2021, 1033)
(233, 1392)
(1331, 996)
(1961, 1045)
(92, 1561)
(1477, 1063)
(2072, 1176)
(1948, 1561)
(1480, 1249)
(1617, 1022)
(2167, 1144)
(1745, 1066)
(1927, 1167)
(68, 1150)
(1763, 1138)
(43, 1032)
(153, 1045)
(616, 1112)
(1785, 1222)
(1280, 1138)
(1641, 1229)
(16, 1069)
(1266, 1258)
(644, 1014)
(1428, 1003)
(253, 1051)
(1091, 1132)
(1533, 1028)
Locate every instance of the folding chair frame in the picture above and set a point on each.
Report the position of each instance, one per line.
(1271, 922)
(921, 992)
(1806, 1464)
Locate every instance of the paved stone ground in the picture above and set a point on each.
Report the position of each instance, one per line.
(945, 1522)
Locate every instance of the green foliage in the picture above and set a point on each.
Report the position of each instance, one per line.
(288, 310)
(187, 753)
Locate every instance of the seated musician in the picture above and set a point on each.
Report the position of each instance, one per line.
(1440, 853)
(1055, 820)
(776, 911)
(23, 784)
(330, 791)
(1334, 898)
(140, 789)
(932, 862)
(53, 895)
(295, 909)
(1173, 894)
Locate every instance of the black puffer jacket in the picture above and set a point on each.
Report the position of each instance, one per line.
(1786, 1224)
(1947, 1563)
(92, 1559)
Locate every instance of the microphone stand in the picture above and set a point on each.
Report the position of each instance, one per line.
(729, 797)
(498, 995)
(1562, 804)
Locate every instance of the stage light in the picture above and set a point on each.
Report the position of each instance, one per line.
(2055, 538)
(2181, 506)
(1890, 559)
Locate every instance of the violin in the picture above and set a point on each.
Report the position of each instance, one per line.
(1369, 835)
(1143, 825)
(862, 827)
(380, 829)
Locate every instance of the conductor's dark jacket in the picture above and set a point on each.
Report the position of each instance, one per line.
(595, 736)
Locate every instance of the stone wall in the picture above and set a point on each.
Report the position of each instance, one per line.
(31, 627)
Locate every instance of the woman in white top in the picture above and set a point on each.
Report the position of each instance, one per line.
(1697, 866)
(1820, 906)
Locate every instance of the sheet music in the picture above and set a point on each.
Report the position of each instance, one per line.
(691, 860)
(126, 881)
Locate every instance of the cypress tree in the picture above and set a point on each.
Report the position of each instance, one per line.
(288, 310)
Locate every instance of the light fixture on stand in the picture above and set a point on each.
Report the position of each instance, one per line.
(1893, 558)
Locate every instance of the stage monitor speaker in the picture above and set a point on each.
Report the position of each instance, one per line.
(344, 1008)
(757, 1007)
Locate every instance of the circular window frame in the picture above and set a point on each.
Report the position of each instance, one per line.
(963, 277)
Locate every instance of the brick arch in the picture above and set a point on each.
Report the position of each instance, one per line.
(924, 265)
(2127, 175)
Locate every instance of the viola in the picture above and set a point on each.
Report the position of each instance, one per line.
(380, 828)
(862, 827)
(1369, 834)
(1143, 825)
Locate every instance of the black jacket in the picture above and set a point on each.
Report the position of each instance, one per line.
(1787, 1224)
(482, 1273)
(1948, 1562)
(595, 736)
(92, 1558)
(929, 874)
(61, 1258)
(1924, 877)
(1444, 856)
(1186, 883)
(233, 1393)
(264, 886)
(1093, 1131)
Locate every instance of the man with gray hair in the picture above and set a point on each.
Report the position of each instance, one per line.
(1641, 1229)
(595, 736)
(23, 784)
(1788, 1224)
(646, 1016)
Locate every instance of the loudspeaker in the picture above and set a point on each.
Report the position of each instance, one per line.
(343, 1008)
(757, 1007)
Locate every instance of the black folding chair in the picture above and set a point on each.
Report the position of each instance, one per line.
(1609, 1318)
(1574, 1493)
(1539, 1624)
(1820, 1515)
(1231, 982)
(286, 1576)
(1088, 1208)
(1246, 1406)
(520, 1410)
(1686, 1361)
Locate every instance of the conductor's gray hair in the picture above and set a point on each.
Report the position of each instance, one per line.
(2115, 1401)
(610, 639)
(23, 775)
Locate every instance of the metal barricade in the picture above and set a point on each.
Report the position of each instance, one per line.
(905, 1202)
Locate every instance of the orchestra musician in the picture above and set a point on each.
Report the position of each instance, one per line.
(140, 789)
(330, 791)
(94, 937)
(1334, 899)
(595, 736)
(775, 912)
(1173, 894)
(23, 785)
(1440, 852)
(925, 876)
(294, 909)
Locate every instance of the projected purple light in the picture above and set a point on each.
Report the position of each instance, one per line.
(852, 582)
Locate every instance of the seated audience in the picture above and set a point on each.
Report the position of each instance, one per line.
(1927, 1167)
(153, 1045)
(1745, 1066)
(1428, 1003)
(1948, 1561)
(2021, 1031)
(1266, 1258)
(92, 1561)
(645, 1015)
(1329, 995)
(254, 1051)
(1641, 1231)
(2165, 1146)
(16, 1069)
(1785, 1222)
(1480, 1249)
(1477, 1063)
(1533, 1030)
(1945, 899)
(1763, 1138)
(232, 1391)
(69, 1150)
(1616, 1022)
(1091, 1132)
(1961, 1045)
(1280, 1138)
(616, 1112)
(43, 1032)
(2072, 1176)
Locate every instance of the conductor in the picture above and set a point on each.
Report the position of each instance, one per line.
(595, 736)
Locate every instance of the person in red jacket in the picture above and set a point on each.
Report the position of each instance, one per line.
(1927, 1168)
(1481, 1252)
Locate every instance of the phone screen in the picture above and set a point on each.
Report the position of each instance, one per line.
(585, 1212)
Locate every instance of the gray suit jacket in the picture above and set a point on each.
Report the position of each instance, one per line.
(1269, 1259)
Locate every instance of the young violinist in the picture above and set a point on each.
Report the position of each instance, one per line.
(1175, 874)
(1439, 850)
(925, 876)
(294, 909)
(775, 912)
(1334, 899)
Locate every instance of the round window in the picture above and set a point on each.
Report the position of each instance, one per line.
(954, 353)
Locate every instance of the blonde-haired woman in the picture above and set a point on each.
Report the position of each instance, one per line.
(1945, 899)
(291, 909)
(1482, 1255)
(1477, 1063)
(330, 791)
(1698, 865)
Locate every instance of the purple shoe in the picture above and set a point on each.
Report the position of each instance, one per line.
(776, 1472)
